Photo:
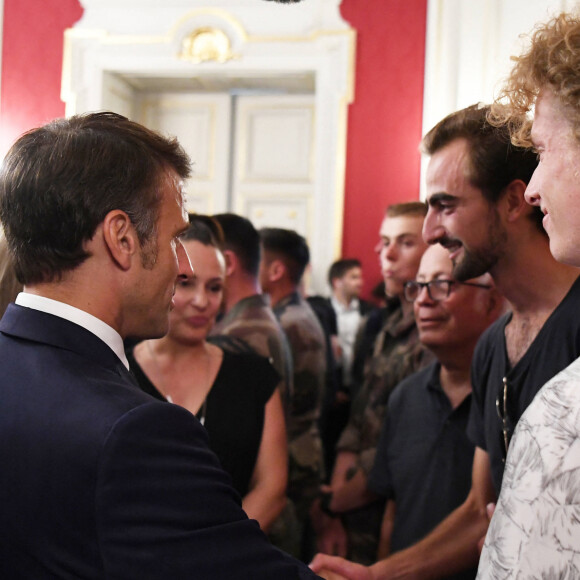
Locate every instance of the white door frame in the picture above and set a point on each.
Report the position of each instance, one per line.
(265, 38)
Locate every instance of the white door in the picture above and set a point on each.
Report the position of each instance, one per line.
(252, 155)
(259, 166)
(273, 175)
(202, 124)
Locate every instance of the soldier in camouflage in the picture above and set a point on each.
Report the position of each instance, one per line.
(249, 319)
(397, 353)
(247, 312)
(285, 255)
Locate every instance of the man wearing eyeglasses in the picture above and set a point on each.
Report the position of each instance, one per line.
(475, 190)
(397, 353)
(426, 472)
(424, 456)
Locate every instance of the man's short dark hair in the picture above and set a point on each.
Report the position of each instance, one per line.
(241, 238)
(58, 182)
(204, 229)
(288, 246)
(407, 208)
(493, 161)
(339, 268)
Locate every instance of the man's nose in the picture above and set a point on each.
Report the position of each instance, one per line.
(432, 228)
(184, 267)
(391, 252)
(424, 296)
(200, 298)
(532, 193)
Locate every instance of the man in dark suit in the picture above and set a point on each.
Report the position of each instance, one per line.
(99, 480)
(340, 316)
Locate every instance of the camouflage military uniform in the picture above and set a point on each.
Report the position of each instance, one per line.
(253, 321)
(397, 353)
(307, 343)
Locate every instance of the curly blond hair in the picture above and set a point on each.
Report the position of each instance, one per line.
(552, 60)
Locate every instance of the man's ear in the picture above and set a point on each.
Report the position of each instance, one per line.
(232, 262)
(276, 270)
(120, 238)
(514, 200)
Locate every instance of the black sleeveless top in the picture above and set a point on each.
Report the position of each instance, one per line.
(234, 410)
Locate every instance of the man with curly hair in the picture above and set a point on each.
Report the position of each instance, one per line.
(535, 530)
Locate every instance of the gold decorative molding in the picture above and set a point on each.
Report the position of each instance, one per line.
(218, 13)
(198, 41)
(206, 44)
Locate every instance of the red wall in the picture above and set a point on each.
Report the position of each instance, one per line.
(384, 129)
(32, 63)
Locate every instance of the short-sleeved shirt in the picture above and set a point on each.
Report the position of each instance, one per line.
(535, 529)
(397, 354)
(252, 320)
(424, 457)
(554, 348)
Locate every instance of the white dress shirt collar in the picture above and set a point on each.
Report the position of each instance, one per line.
(99, 328)
(340, 307)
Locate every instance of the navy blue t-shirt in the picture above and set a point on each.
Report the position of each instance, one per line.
(424, 458)
(554, 348)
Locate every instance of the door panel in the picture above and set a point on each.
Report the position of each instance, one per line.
(273, 170)
(201, 122)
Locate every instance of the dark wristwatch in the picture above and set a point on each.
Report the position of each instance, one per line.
(325, 499)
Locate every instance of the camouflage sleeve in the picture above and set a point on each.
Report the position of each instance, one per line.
(367, 460)
(262, 338)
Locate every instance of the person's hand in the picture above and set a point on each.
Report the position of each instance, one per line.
(335, 568)
(332, 539)
(328, 575)
(490, 508)
(331, 536)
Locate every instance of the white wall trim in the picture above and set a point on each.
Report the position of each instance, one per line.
(267, 38)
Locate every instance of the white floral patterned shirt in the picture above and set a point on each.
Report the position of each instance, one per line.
(535, 530)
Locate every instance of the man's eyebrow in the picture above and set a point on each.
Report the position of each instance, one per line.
(182, 231)
(434, 276)
(439, 197)
(401, 236)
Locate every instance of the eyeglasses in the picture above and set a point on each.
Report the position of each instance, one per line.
(436, 289)
(501, 408)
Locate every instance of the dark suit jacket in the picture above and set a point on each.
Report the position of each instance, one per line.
(99, 480)
(324, 309)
